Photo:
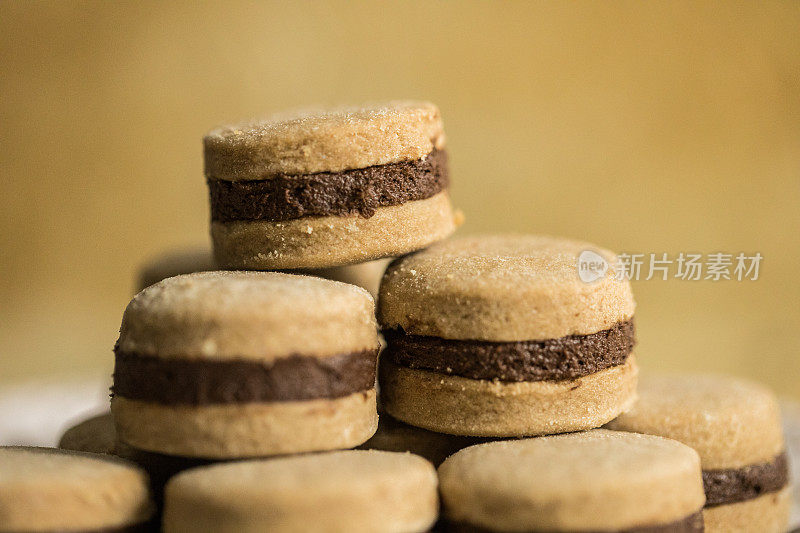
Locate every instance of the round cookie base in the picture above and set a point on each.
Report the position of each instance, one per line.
(769, 513)
(320, 242)
(352, 491)
(480, 408)
(246, 430)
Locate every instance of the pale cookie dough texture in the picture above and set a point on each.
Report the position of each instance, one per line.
(497, 336)
(43, 489)
(598, 480)
(735, 426)
(239, 364)
(353, 491)
(308, 158)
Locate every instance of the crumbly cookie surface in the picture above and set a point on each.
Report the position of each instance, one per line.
(323, 140)
(501, 288)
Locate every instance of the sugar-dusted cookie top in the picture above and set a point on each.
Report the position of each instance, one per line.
(323, 140)
(730, 422)
(594, 480)
(44, 489)
(502, 288)
(248, 315)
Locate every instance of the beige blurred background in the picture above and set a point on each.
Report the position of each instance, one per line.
(643, 127)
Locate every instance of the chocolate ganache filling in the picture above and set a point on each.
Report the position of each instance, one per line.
(731, 485)
(359, 191)
(201, 381)
(563, 358)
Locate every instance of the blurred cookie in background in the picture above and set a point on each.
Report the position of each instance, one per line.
(200, 259)
(396, 436)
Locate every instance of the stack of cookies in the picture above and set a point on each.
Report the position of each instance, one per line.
(248, 383)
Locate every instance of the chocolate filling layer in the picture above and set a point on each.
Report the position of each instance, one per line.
(201, 382)
(733, 485)
(564, 358)
(359, 191)
(690, 524)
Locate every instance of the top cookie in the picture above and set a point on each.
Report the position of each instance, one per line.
(248, 315)
(502, 288)
(42, 489)
(593, 480)
(354, 491)
(730, 422)
(323, 140)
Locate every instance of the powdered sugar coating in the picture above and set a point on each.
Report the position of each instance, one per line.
(501, 288)
(730, 422)
(253, 315)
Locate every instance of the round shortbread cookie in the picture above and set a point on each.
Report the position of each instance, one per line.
(329, 241)
(323, 140)
(502, 288)
(768, 513)
(43, 489)
(597, 480)
(354, 491)
(485, 408)
(731, 422)
(248, 315)
(93, 435)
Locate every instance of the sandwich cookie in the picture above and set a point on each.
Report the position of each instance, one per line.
(497, 336)
(323, 188)
(49, 490)
(395, 436)
(240, 364)
(354, 491)
(597, 480)
(735, 426)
